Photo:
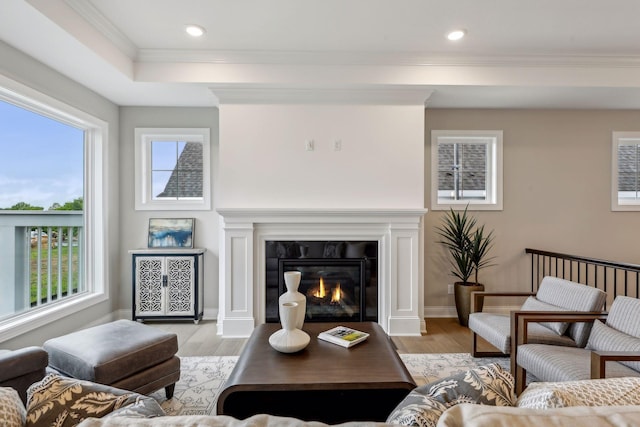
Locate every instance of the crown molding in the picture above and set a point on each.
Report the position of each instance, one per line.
(92, 15)
(278, 94)
(382, 58)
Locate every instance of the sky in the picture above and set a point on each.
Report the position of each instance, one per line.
(41, 160)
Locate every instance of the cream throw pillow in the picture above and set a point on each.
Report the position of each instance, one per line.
(597, 392)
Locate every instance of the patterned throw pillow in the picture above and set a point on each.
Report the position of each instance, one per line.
(486, 385)
(534, 304)
(65, 402)
(12, 412)
(598, 392)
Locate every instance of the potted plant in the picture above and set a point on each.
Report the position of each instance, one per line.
(469, 246)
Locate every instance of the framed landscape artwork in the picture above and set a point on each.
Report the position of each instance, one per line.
(171, 232)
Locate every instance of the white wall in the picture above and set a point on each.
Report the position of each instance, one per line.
(26, 70)
(263, 161)
(134, 230)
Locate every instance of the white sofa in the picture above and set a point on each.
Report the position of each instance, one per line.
(260, 420)
(602, 402)
(470, 415)
(463, 415)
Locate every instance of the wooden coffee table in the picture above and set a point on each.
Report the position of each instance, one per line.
(324, 382)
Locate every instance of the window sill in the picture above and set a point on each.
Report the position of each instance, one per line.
(37, 318)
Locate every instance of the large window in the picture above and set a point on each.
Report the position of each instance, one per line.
(52, 250)
(466, 169)
(172, 169)
(625, 191)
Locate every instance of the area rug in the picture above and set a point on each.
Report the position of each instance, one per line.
(426, 368)
(202, 378)
(201, 381)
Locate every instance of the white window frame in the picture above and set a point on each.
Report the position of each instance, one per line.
(143, 191)
(618, 139)
(95, 271)
(493, 138)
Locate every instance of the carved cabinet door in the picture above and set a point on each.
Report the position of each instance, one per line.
(180, 285)
(149, 292)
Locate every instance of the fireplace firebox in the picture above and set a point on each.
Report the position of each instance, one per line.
(333, 287)
(339, 284)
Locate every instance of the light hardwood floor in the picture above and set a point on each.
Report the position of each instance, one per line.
(444, 335)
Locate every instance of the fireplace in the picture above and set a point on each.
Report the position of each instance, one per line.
(339, 279)
(244, 273)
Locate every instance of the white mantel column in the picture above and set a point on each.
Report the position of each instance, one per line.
(405, 300)
(236, 317)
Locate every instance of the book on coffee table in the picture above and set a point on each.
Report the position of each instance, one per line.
(341, 335)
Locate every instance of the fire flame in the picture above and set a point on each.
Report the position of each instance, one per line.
(320, 293)
(336, 295)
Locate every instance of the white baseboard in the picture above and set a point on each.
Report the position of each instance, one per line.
(209, 314)
(212, 313)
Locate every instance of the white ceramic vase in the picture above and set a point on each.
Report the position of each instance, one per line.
(292, 281)
(289, 339)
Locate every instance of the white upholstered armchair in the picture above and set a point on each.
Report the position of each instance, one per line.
(554, 294)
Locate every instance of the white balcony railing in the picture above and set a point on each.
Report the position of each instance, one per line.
(41, 258)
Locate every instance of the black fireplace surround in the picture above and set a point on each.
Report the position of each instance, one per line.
(339, 278)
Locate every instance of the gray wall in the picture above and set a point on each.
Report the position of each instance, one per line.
(557, 183)
(133, 231)
(27, 71)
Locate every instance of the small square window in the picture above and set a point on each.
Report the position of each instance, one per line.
(466, 169)
(625, 179)
(172, 169)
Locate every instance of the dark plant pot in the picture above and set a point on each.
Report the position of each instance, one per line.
(462, 293)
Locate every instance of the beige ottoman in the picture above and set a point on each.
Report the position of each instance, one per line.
(122, 354)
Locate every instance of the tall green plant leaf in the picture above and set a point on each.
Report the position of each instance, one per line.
(479, 249)
(467, 244)
(455, 232)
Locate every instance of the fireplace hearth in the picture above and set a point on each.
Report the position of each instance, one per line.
(339, 279)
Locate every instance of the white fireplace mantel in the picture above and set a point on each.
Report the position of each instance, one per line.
(242, 260)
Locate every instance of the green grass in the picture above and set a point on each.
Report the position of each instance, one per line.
(54, 272)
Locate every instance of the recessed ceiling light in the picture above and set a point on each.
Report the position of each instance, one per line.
(194, 30)
(456, 35)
